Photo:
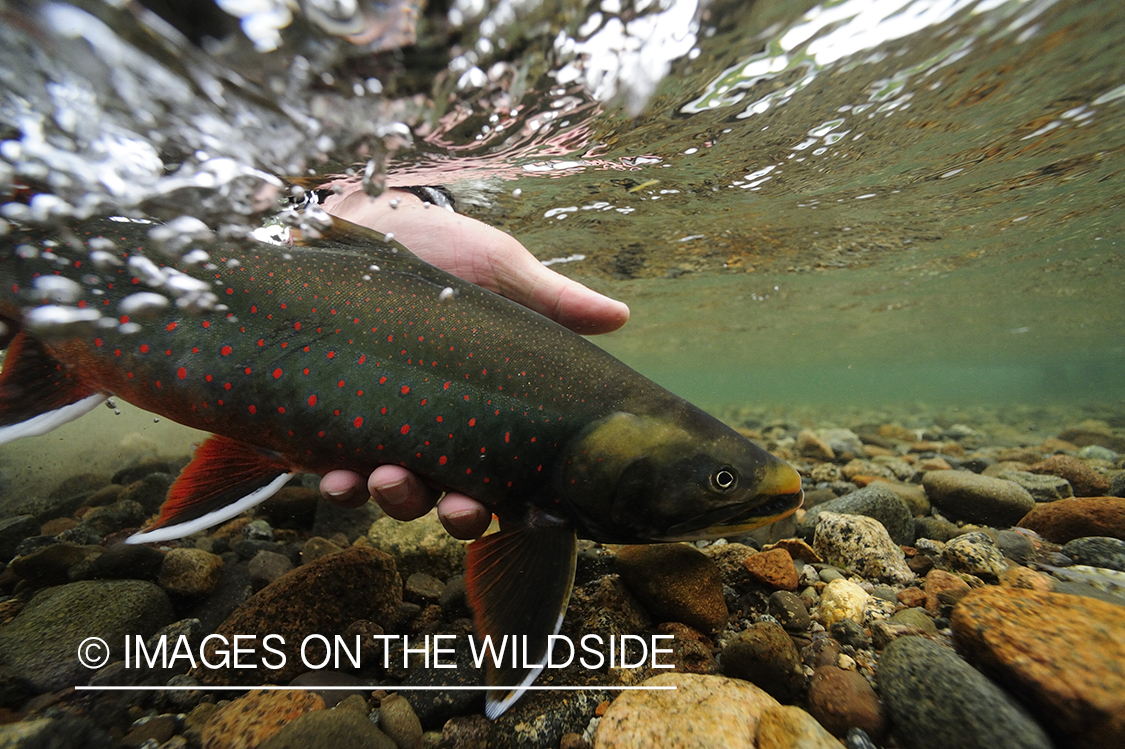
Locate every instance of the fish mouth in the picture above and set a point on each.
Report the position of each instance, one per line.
(779, 495)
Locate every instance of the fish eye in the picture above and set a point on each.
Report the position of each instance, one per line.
(723, 479)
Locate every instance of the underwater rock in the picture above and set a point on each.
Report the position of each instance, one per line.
(340, 728)
(1063, 654)
(764, 655)
(915, 617)
(190, 572)
(59, 731)
(790, 611)
(873, 501)
(41, 643)
(421, 545)
(1041, 487)
(841, 599)
(251, 720)
(1097, 551)
(943, 589)
(935, 701)
(976, 554)
(676, 583)
(711, 710)
(977, 498)
(399, 722)
(862, 545)
(809, 445)
(773, 568)
(839, 700)
(13, 530)
(51, 564)
(1068, 519)
(267, 566)
(323, 597)
(790, 727)
(150, 491)
(1086, 481)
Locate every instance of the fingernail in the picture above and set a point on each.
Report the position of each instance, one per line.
(394, 494)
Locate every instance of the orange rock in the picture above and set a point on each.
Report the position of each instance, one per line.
(873, 451)
(1063, 654)
(1055, 445)
(248, 721)
(797, 549)
(934, 464)
(952, 448)
(773, 568)
(1086, 481)
(943, 588)
(1068, 519)
(1021, 577)
(912, 597)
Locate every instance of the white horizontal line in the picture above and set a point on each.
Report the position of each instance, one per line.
(358, 687)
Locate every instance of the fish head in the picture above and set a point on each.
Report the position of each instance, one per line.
(679, 475)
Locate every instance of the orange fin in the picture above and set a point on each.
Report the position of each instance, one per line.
(225, 478)
(38, 393)
(519, 582)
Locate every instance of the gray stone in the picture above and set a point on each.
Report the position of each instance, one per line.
(60, 730)
(976, 554)
(790, 611)
(1097, 452)
(421, 545)
(267, 566)
(915, 617)
(1016, 546)
(862, 545)
(934, 528)
(936, 701)
(41, 643)
(1117, 485)
(843, 441)
(1042, 487)
(126, 561)
(980, 499)
(764, 655)
(13, 530)
(872, 501)
(1097, 551)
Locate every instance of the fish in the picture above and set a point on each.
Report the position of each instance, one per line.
(349, 352)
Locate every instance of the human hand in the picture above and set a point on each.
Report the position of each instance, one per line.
(489, 258)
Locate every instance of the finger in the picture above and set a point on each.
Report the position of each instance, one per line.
(463, 517)
(400, 493)
(483, 255)
(344, 488)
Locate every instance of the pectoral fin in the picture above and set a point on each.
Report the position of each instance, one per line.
(37, 393)
(519, 582)
(225, 478)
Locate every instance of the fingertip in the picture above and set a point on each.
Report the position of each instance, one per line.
(463, 517)
(400, 493)
(344, 488)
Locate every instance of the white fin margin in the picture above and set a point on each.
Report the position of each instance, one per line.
(493, 709)
(179, 530)
(45, 422)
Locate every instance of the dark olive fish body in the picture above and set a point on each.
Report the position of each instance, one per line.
(351, 353)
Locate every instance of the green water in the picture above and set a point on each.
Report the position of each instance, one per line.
(964, 249)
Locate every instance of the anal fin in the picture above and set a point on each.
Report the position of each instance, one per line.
(519, 582)
(37, 392)
(224, 479)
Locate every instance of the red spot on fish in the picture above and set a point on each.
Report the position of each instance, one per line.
(226, 350)
(441, 460)
(305, 371)
(405, 390)
(281, 409)
(117, 352)
(446, 386)
(507, 437)
(181, 373)
(405, 429)
(124, 319)
(331, 354)
(340, 384)
(206, 323)
(277, 373)
(440, 419)
(261, 342)
(226, 386)
(247, 370)
(207, 377)
(468, 471)
(170, 326)
(144, 348)
(253, 409)
(253, 309)
(390, 339)
(423, 402)
(296, 326)
(472, 422)
(362, 358)
(98, 342)
(312, 400)
(382, 380)
(359, 422)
